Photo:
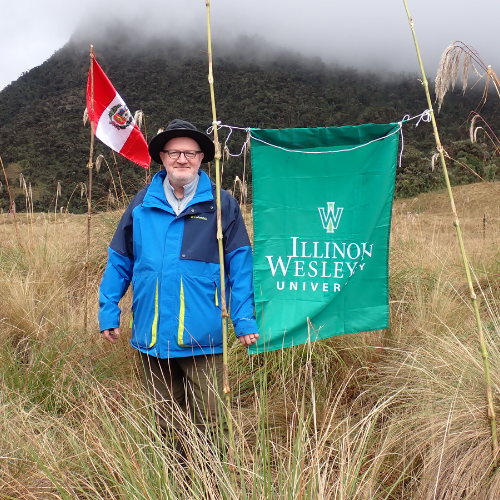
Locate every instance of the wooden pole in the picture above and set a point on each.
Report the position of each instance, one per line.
(227, 389)
(456, 223)
(89, 190)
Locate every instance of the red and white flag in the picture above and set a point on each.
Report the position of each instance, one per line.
(113, 123)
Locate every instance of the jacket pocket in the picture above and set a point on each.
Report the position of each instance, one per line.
(146, 311)
(200, 321)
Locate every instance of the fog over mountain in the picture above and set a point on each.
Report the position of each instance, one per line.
(158, 62)
(364, 34)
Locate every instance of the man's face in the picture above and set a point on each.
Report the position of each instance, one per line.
(181, 171)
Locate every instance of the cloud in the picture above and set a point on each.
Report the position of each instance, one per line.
(364, 34)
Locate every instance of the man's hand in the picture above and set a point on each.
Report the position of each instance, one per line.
(111, 335)
(249, 339)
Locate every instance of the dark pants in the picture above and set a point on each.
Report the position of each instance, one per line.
(190, 386)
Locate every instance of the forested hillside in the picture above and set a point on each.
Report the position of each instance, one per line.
(42, 134)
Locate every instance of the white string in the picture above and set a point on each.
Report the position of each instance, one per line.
(230, 127)
(425, 116)
(331, 151)
(402, 147)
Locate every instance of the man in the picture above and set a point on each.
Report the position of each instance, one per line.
(166, 246)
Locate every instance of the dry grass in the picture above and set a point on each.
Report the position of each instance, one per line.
(448, 70)
(391, 414)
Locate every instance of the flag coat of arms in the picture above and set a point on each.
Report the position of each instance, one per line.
(322, 205)
(113, 123)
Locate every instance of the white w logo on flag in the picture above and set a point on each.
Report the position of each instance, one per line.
(331, 219)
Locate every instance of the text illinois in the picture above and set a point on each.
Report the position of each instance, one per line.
(319, 260)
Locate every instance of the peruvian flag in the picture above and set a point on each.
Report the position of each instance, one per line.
(113, 123)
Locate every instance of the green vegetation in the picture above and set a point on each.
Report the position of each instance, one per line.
(41, 127)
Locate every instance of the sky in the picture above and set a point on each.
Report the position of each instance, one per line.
(364, 34)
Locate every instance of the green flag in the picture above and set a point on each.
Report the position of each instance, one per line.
(322, 204)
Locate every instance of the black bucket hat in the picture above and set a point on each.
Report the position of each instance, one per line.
(180, 128)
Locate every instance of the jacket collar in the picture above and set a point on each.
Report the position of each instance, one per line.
(155, 196)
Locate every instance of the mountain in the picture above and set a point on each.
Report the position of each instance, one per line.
(43, 137)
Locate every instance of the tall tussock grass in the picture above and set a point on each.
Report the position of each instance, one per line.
(392, 414)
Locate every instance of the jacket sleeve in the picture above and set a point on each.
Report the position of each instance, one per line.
(239, 264)
(114, 284)
(119, 268)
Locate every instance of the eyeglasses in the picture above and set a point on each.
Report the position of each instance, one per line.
(174, 154)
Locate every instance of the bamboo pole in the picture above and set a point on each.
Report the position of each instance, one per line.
(227, 389)
(89, 190)
(456, 223)
(243, 195)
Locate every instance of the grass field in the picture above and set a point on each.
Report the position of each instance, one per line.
(395, 414)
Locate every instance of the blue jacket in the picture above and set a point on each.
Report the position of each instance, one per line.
(173, 265)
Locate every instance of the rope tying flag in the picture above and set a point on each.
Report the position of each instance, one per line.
(425, 116)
